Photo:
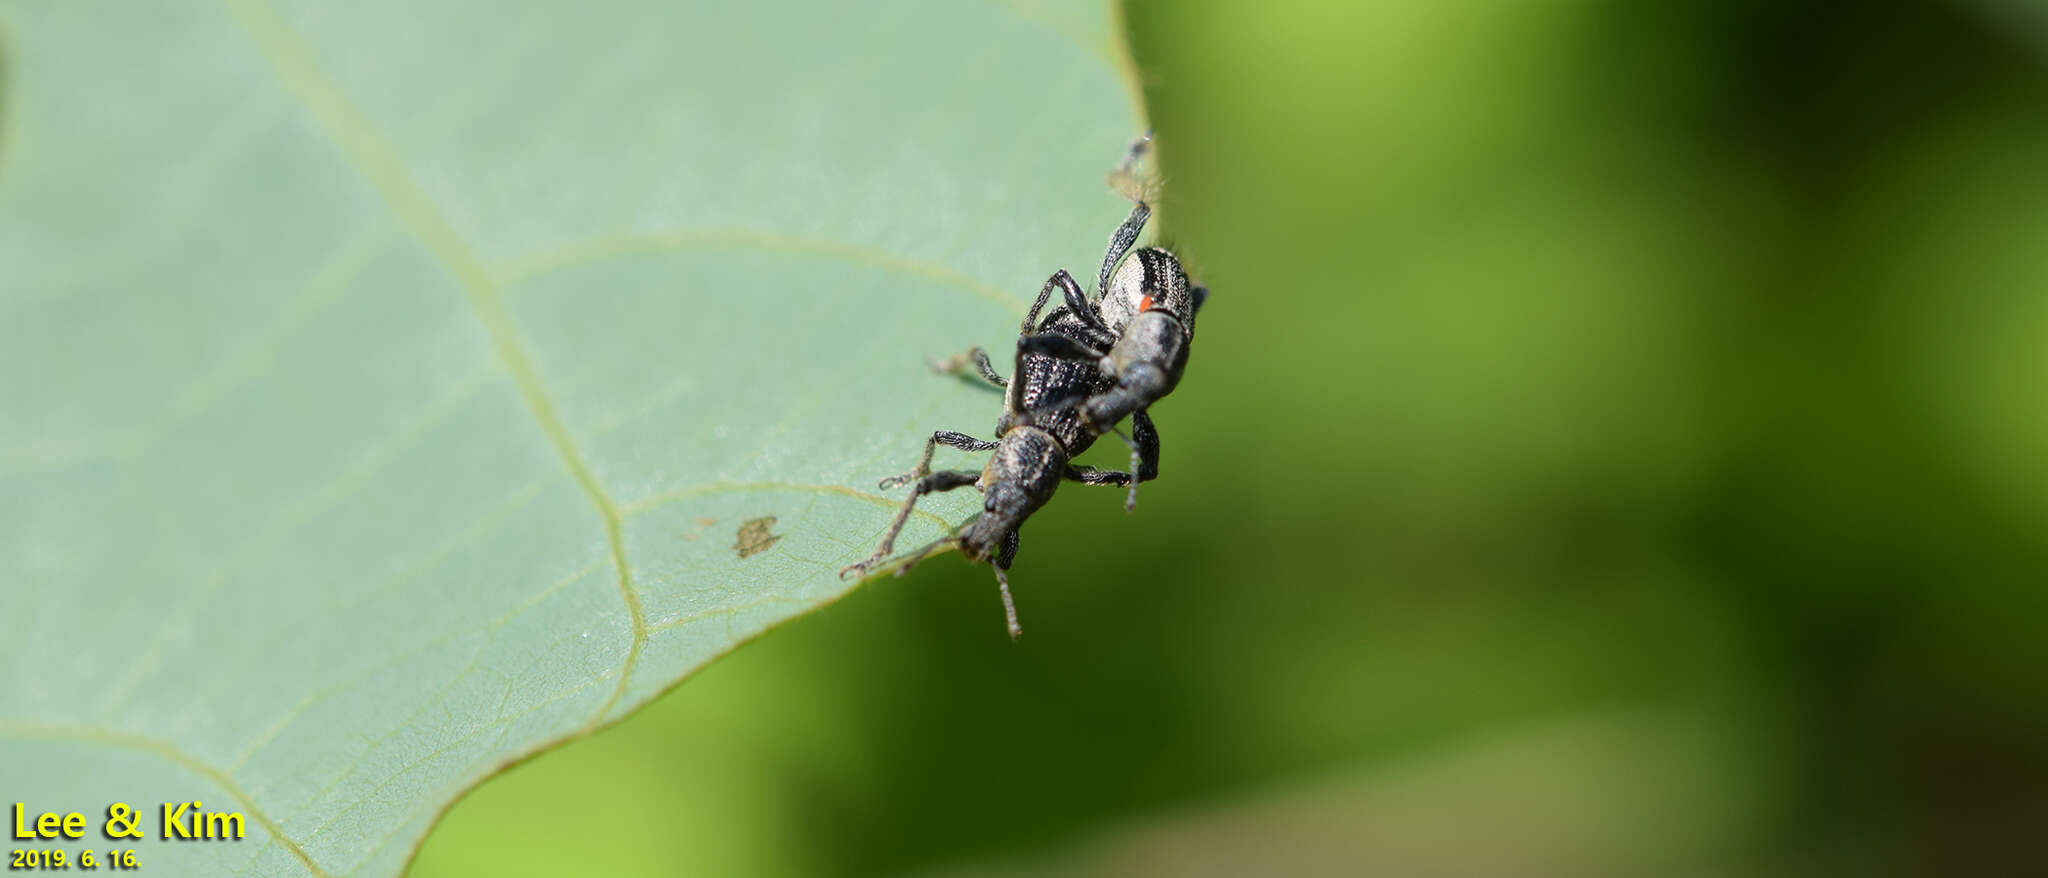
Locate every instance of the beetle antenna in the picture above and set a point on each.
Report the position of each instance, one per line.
(1009, 606)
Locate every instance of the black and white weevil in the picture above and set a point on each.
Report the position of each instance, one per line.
(1138, 333)
(1060, 399)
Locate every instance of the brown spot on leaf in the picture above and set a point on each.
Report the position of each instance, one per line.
(754, 537)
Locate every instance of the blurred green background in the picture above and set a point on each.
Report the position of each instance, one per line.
(1616, 444)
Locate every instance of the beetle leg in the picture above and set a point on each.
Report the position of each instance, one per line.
(946, 480)
(975, 356)
(961, 441)
(1120, 242)
(1144, 444)
(1053, 344)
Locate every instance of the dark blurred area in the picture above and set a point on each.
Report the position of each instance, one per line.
(1571, 366)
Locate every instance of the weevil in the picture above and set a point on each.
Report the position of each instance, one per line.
(1041, 430)
(1137, 334)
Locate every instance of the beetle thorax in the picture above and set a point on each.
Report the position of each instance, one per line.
(1150, 278)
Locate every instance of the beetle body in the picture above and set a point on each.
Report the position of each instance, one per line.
(1086, 366)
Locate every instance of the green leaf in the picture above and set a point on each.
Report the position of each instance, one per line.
(397, 390)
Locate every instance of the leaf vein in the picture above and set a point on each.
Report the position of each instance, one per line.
(366, 151)
(602, 249)
(663, 499)
(162, 750)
